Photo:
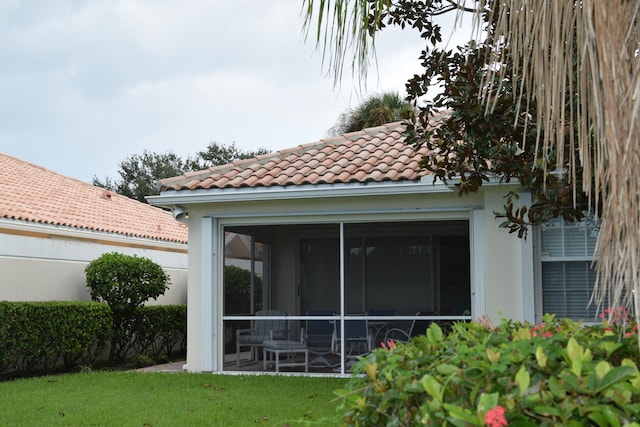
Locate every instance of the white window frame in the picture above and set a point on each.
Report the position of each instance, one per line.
(541, 258)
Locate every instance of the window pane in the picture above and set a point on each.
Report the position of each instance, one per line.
(567, 284)
(552, 240)
(574, 241)
(567, 289)
(400, 267)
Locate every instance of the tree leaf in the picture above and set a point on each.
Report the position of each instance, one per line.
(523, 379)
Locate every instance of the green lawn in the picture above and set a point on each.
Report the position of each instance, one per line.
(166, 399)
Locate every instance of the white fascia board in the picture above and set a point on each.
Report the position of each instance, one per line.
(493, 181)
(27, 227)
(387, 188)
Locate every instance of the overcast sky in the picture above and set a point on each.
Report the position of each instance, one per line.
(86, 84)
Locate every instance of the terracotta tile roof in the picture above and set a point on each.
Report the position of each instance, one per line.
(370, 155)
(32, 193)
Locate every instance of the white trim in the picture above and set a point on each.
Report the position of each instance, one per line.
(537, 274)
(477, 243)
(406, 212)
(423, 185)
(208, 308)
(25, 227)
(527, 271)
(343, 355)
(223, 195)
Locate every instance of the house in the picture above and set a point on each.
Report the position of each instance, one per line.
(52, 226)
(353, 227)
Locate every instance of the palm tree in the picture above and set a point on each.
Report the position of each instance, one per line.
(376, 110)
(543, 35)
(607, 87)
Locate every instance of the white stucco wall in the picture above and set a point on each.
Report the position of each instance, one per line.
(502, 264)
(46, 263)
(497, 272)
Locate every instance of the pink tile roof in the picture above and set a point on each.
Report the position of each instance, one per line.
(32, 193)
(370, 155)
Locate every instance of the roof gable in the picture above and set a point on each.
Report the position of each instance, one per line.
(34, 194)
(370, 155)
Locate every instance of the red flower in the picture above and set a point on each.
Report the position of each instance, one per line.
(536, 331)
(495, 417)
(388, 345)
(633, 331)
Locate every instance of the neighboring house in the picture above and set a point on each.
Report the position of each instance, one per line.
(52, 226)
(352, 225)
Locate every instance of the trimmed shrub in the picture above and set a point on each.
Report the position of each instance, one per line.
(38, 336)
(160, 331)
(557, 373)
(125, 283)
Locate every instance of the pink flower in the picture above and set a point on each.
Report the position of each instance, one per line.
(633, 331)
(537, 331)
(495, 417)
(388, 345)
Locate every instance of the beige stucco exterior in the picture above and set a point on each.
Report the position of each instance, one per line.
(499, 287)
(41, 262)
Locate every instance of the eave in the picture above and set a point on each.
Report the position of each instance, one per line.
(244, 194)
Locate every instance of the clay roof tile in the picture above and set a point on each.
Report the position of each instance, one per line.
(34, 194)
(374, 154)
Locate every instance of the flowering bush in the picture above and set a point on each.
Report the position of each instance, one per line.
(557, 373)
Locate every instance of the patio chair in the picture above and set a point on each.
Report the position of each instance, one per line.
(262, 330)
(418, 327)
(356, 337)
(318, 336)
(380, 327)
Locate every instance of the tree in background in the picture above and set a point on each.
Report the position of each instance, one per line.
(374, 111)
(140, 173)
(470, 145)
(217, 154)
(574, 73)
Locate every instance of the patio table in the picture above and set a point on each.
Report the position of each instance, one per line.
(290, 348)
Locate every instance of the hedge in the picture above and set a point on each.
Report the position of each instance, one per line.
(160, 331)
(38, 337)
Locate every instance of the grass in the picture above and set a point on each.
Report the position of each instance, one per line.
(168, 399)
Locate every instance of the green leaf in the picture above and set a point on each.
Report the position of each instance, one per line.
(556, 388)
(576, 354)
(602, 368)
(433, 387)
(613, 376)
(523, 379)
(488, 401)
(602, 416)
(462, 414)
(447, 369)
(434, 333)
(541, 357)
(546, 410)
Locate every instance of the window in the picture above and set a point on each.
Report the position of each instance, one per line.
(567, 275)
(409, 267)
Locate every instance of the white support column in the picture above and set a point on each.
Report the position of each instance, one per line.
(528, 289)
(343, 358)
(209, 310)
(477, 252)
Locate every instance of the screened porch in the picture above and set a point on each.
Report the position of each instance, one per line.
(318, 295)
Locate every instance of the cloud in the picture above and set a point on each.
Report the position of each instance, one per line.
(86, 84)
